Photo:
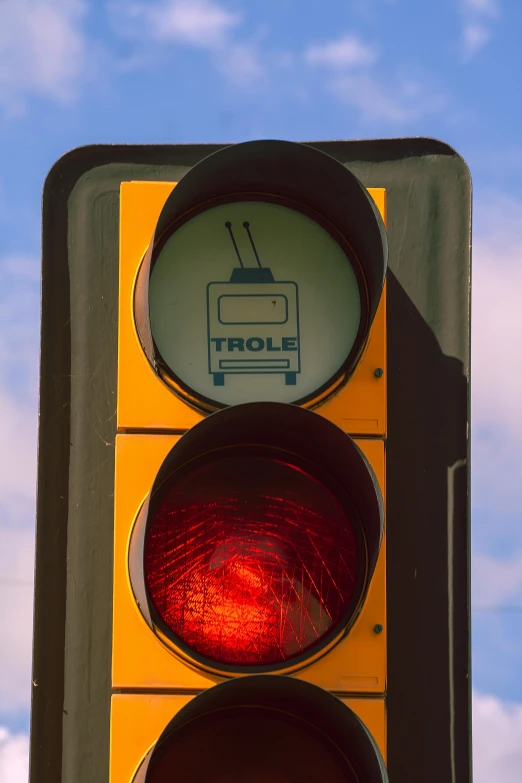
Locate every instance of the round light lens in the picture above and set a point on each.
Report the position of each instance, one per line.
(254, 745)
(252, 301)
(250, 561)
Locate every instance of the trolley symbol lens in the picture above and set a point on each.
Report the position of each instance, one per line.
(253, 322)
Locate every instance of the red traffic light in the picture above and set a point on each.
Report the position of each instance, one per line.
(258, 540)
(250, 560)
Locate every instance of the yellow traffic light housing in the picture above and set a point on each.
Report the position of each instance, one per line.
(252, 544)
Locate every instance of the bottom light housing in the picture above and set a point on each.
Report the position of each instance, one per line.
(264, 729)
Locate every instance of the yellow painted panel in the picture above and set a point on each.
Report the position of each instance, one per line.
(138, 658)
(356, 665)
(140, 207)
(358, 408)
(137, 721)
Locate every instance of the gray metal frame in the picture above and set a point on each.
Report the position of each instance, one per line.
(429, 214)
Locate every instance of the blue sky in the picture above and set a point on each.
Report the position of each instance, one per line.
(75, 72)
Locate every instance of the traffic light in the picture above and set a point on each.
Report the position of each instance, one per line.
(248, 545)
(263, 622)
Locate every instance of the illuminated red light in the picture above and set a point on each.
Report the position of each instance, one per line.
(249, 560)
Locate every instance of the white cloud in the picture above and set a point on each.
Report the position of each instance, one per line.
(14, 757)
(370, 9)
(203, 24)
(16, 615)
(497, 740)
(478, 16)
(405, 101)
(475, 36)
(496, 369)
(42, 50)
(486, 7)
(496, 581)
(376, 95)
(19, 345)
(17, 459)
(346, 51)
(198, 22)
(241, 64)
(19, 337)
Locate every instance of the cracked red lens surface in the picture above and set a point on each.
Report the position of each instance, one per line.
(249, 560)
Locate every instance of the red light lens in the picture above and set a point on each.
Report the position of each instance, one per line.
(249, 560)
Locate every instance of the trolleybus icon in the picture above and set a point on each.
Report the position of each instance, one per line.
(253, 322)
